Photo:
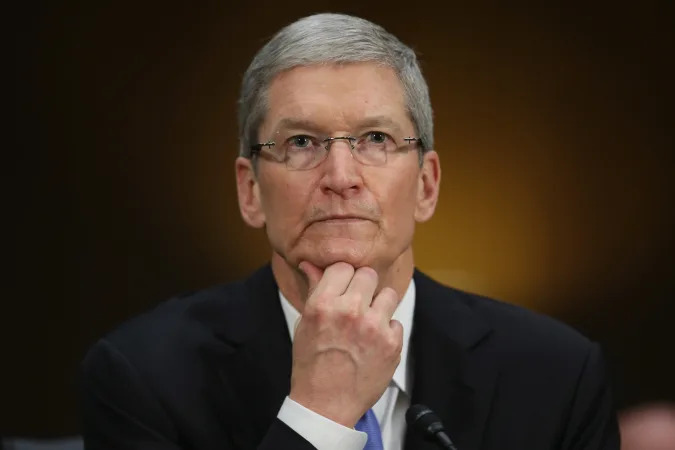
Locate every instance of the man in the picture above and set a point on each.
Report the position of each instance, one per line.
(329, 345)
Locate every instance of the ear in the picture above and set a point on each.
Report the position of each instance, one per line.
(248, 193)
(428, 186)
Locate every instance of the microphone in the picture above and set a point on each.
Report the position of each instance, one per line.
(426, 422)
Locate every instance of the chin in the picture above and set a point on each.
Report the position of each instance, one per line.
(327, 252)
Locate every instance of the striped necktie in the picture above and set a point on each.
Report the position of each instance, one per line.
(368, 424)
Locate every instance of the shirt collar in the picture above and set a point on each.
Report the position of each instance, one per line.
(404, 314)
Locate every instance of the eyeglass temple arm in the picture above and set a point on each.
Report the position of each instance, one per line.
(256, 148)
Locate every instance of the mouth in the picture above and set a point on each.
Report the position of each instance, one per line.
(340, 219)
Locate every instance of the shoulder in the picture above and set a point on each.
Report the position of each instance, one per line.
(174, 334)
(171, 357)
(512, 331)
(185, 316)
(519, 327)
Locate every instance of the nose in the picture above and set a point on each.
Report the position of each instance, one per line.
(341, 172)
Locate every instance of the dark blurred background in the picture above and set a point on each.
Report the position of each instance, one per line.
(554, 126)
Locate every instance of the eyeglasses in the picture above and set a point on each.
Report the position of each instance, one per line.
(304, 152)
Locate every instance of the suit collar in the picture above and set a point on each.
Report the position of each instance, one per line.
(252, 357)
(453, 373)
(267, 347)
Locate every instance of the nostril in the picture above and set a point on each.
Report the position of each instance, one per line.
(341, 179)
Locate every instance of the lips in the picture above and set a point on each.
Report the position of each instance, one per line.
(340, 218)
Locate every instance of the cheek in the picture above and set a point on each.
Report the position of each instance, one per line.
(283, 203)
(398, 207)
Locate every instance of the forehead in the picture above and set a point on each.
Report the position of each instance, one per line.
(334, 95)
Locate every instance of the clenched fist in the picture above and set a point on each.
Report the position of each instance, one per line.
(346, 345)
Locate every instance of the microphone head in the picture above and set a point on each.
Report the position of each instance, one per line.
(424, 420)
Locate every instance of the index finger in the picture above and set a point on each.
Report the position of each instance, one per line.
(333, 282)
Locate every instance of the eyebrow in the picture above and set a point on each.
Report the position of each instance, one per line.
(304, 124)
(379, 121)
(368, 122)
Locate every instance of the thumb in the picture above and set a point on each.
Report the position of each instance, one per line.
(312, 273)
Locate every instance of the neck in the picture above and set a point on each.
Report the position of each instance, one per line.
(293, 284)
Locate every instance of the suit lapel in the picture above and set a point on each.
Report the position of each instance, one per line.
(252, 359)
(453, 373)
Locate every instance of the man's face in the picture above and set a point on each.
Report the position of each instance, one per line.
(341, 210)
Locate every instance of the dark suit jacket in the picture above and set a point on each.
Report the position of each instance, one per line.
(210, 371)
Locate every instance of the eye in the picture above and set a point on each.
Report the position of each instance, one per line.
(300, 141)
(377, 137)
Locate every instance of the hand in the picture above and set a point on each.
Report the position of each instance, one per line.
(346, 346)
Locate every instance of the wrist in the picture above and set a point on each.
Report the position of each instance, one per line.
(337, 412)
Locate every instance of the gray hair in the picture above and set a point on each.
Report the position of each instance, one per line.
(325, 39)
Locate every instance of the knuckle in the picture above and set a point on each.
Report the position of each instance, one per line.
(367, 272)
(351, 315)
(371, 325)
(319, 309)
(322, 301)
(343, 267)
(389, 294)
(398, 344)
(395, 338)
(393, 348)
(356, 298)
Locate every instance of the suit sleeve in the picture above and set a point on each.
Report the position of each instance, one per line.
(592, 423)
(120, 412)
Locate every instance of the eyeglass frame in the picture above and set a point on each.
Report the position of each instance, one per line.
(256, 149)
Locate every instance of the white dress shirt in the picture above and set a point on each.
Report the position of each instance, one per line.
(323, 433)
